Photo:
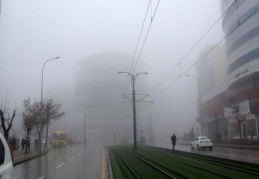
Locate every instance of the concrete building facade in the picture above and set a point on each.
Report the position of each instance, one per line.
(236, 101)
(211, 72)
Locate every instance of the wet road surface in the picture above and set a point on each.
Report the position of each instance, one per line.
(86, 161)
(75, 161)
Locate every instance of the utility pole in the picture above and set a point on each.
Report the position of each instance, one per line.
(41, 96)
(64, 122)
(150, 131)
(133, 79)
(199, 93)
(134, 112)
(85, 128)
(88, 128)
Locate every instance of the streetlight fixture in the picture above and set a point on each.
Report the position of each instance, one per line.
(41, 96)
(133, 80)
(199, 91)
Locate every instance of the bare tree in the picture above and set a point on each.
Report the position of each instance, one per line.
(6, 122)
(29, 115)
(37, 114)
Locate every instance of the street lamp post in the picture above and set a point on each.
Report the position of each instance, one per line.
(85, 127)
(41, 96)
(199, 91)
(133, 80)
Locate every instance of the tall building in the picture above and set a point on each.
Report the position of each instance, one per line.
(211, 73)
(237, 100)
(99, 90)
(241, 25)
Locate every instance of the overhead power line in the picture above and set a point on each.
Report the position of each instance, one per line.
(131, 64)
(175, 67)
(152, 19)
(132, 61)
(205, 54)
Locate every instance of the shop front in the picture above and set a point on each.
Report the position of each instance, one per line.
(242, 122)
(253, 123)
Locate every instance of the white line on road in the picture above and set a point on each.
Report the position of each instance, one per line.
(60, 165)
(41, 177)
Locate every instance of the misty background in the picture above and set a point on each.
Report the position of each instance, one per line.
(95, 39)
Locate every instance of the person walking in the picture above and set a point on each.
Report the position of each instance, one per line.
(23, 143)
(28, 143)
(173, 139)
(36, 144)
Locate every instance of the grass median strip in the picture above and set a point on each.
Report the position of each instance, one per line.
(180, 165)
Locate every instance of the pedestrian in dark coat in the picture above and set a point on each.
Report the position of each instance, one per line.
(173, 139)
(28, 143)
(36, 143)
(23, 143)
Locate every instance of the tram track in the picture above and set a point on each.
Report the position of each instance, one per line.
(240, 167)
(181, 164)
(131, 160)
(237, 166)
(188, 165)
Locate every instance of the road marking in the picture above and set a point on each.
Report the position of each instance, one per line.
(41, 177)
(60, 165)
(103, 165)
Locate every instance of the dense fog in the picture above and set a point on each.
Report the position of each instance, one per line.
(96, 39)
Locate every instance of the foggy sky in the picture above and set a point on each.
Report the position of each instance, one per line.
(33, 31)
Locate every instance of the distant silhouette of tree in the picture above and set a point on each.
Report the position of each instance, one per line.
(6, 120)
(37, 114)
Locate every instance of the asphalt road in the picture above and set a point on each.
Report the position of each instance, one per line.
(76, 161)
(88, 161)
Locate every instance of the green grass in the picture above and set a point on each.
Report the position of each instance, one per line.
(176, 164)
(116, 170)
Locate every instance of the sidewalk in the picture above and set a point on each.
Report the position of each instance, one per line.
(20, 156)
(253, 145)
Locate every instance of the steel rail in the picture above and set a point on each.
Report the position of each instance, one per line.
(227, 165)
(153, 166)
(157, 168)
(126, 163)
(191, 165)
(214, 161)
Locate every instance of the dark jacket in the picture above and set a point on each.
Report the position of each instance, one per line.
(173, 139)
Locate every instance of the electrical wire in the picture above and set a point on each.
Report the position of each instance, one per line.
(168, 74)
(152, 19)
(139, 36)
(135, 51)
(159, 94)
(131, 65)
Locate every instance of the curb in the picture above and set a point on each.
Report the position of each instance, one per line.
(110, 174)
(238, 147)
(233, 146)
(28, 157)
